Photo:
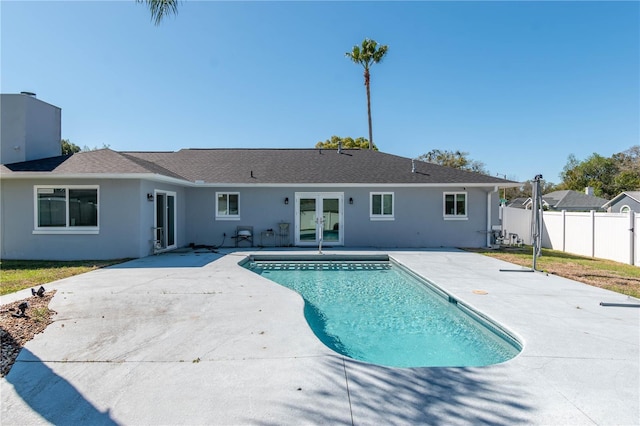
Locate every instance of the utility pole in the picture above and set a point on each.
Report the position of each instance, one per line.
(504, 190)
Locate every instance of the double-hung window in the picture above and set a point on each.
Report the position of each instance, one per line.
(228, 205)
(66, 209)
(381, 206)
(455, 205)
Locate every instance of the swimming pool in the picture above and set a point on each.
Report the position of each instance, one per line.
(375, 310)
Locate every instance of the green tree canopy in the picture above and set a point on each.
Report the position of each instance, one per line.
(68, 147)
(526, 190)
(347, 142)
(367, 54)
(455, 159)
(608, 176)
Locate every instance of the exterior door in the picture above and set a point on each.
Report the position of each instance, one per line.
(319, 216)
(165, 221)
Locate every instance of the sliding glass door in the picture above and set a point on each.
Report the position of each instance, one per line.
(319, 216)
(165, 221)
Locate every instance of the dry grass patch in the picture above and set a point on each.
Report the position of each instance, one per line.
(606, 274)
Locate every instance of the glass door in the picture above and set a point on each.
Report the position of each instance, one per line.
(307, 220)
(331, 220)
(165, 221)
(319, 216)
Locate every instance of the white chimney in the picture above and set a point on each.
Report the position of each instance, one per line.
(588, 190)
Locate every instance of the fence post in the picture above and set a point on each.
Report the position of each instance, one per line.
(593, 232)
(564, 230)
(632, 220)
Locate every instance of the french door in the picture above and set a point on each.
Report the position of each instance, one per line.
(165, 221)
(319, 217)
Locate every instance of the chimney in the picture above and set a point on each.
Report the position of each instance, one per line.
(589, 190)
(339, 147)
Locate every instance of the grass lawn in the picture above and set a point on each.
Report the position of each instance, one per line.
(614, 276)
(20, 274)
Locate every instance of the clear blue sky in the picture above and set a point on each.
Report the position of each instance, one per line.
(517, 85)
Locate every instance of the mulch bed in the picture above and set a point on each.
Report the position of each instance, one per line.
(17, 329)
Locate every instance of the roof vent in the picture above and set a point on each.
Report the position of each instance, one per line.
(339, 147)
(413, 166)
(33, 95)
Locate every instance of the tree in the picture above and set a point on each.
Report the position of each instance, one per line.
(596, 171)
(95, 148)
(160, 8)
(526, 190)
(366, 55)
(457, 160)
(629, 165)
(348, 142)
(68, 147)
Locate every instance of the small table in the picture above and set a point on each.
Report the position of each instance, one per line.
(266, 235)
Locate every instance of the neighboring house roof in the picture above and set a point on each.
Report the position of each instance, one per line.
(259, 166)
(518, 203)
(634, 195)
(569, 199)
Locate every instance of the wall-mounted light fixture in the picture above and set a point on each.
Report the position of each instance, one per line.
(350, 200)
(149, 196)
(286, 200)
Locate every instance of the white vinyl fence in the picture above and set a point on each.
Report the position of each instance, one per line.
(614, 236)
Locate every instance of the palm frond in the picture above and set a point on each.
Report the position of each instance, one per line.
(160, 8)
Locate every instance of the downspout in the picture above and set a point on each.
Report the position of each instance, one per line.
(495, 189)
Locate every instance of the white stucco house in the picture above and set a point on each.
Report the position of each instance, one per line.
(105, 204)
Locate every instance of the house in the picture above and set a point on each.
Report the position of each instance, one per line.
(30, 129)
(624, 202)
(519, 203)
(570, 200)
(105, 204)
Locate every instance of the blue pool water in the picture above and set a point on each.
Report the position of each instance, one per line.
(379, 313)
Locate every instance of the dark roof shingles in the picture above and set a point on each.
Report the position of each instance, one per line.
(265, 166)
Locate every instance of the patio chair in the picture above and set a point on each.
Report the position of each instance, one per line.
(244, 233)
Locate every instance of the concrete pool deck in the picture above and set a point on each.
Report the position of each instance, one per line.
(192, 338)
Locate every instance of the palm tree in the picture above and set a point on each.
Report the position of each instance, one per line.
(160, 8)
(366, 55)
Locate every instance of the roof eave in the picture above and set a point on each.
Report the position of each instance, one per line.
(183, 182)
(52, 176)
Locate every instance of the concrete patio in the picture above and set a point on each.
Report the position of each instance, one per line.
(192, 338)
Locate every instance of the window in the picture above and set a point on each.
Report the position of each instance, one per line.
(66, 208)
(381, 206)
(228, 205)
(625, 209)
(455, 205)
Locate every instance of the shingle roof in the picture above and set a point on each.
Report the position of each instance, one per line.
(518, 203)
(102, 161)
(260, 166)
(568, 199)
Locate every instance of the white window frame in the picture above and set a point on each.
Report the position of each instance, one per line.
(227, 216)
(382, 215)
(455, 216)
(625, 209)
(67, 229)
